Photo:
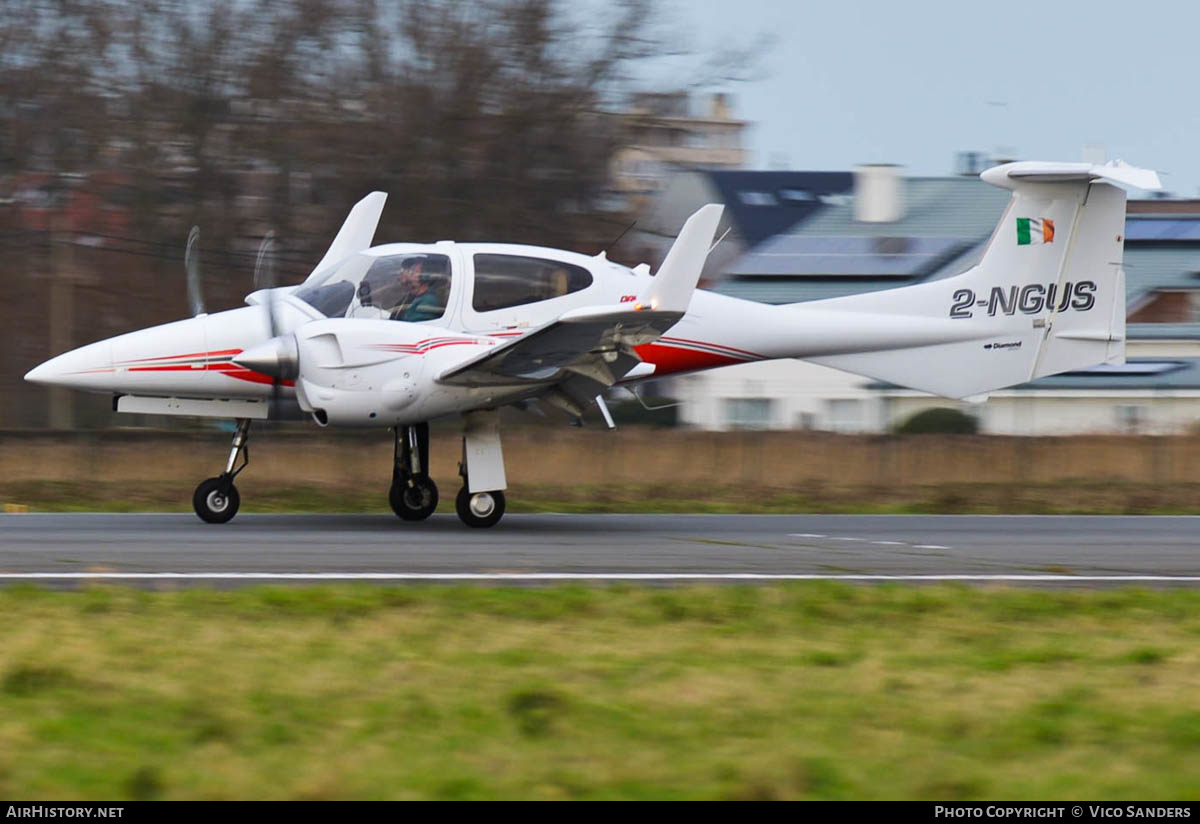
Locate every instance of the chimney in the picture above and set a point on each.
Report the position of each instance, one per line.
(878, 193)
(720, 107)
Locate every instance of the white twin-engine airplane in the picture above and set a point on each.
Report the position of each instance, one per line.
(400, 334)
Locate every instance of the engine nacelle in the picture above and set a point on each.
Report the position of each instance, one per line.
(356, 372)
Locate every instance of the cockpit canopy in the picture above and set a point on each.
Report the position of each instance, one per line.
(410, 287)
(414, 285)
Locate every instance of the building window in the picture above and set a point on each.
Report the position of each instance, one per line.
(1131, 418)
(749, 413)
(758, 198)
(846, 416)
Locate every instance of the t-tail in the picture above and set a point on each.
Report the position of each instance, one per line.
(1048, 295)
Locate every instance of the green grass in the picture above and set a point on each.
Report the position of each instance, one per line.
(259, 496)
(800, 691)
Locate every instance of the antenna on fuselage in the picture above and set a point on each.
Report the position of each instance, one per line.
(624, 231)
(718, 243)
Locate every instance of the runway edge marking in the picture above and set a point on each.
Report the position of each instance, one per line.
(571, 576)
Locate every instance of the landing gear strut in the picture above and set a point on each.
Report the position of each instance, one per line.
(480, 502)
(216, 500)
(413, 495)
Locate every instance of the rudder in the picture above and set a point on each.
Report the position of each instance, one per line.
(1047, 296)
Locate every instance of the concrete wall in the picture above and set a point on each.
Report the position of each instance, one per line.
(568, 457)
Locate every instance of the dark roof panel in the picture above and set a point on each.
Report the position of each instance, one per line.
(878, 256)
(1163, 229)
(763, 204)
(1138, 374)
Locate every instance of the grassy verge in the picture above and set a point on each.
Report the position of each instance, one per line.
(1073, 498)
(802, 691)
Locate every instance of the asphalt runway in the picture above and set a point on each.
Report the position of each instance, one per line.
(1059, 550)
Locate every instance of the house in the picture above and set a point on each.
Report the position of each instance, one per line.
(759, 205)
(894, 231)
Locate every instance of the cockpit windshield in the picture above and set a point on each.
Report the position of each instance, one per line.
(408, 287)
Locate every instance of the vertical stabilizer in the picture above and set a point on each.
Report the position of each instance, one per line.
(1048, 295)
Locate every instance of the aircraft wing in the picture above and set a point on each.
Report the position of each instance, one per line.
(596, 342)
(357, 232)
(571, 360)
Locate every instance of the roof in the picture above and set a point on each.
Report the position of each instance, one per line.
(1162, 331)
(765, 204)
(831, 254)
(795, 290)
(963, 207)
(1151, 266)
(947, 221)
(1153, 373)
(1137, 374)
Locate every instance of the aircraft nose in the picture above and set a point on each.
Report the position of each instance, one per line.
(88, 367)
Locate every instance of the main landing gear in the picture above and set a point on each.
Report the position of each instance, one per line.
(413, 495)
(216, 500)
(480, 502)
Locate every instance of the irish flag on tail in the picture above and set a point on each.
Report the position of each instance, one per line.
(1031, 231)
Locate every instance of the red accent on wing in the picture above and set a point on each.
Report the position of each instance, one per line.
(669, 359)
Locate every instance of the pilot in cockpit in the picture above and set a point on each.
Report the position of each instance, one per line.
(385, 287)
(410, 288)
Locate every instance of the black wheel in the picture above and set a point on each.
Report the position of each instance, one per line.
(416, 502)
(216, 501)
(482, 509)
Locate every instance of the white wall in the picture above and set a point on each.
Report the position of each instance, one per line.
(802, 396)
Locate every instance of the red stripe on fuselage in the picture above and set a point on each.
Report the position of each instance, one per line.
(223, 352)
(225, 367)
(733, 349)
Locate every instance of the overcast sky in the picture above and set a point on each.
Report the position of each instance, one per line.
(858, 81)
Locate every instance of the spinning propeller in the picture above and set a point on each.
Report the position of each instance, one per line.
(191, 262)
(277, 357)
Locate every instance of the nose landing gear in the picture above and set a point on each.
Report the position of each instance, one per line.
(480, 502)
(481, 509)
(216, 500)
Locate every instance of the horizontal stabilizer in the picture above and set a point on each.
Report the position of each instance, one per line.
(1010, 175)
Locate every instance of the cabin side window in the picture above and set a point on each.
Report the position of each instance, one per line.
(502, 281)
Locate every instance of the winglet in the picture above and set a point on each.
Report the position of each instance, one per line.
(671, 290)
(358, 230)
